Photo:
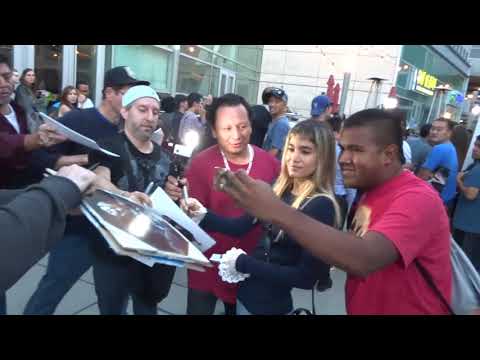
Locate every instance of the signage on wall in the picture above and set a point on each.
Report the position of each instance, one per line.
(424, 82)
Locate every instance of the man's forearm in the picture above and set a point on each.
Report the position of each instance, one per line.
(356, 256)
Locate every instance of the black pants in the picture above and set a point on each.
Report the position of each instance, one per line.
(203, 303)
(343, 205)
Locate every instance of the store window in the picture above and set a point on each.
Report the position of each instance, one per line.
(148, 62)
(48, 67)
(197, 52)
(87, 66)
(194, 76)
(7, 51)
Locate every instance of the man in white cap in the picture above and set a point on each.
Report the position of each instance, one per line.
(70, 258)
(142, 164)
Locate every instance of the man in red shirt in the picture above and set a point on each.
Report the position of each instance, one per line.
(229, 117)
(400, 221)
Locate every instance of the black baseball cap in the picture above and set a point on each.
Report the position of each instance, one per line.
(122, 76)
(276, 93)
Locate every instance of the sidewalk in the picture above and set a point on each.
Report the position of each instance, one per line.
(81, 299)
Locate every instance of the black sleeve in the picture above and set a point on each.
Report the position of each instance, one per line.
(229, 226)
(31, 223)
(72, 121)
(111, 162)
(308, 270)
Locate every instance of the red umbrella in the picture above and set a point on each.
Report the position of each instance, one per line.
(330, 85)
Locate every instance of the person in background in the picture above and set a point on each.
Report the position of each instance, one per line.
(192, 120)
(279, 127)
(68, 100)
(321, 108)
(167, 107)
(461, 140)
(465, 220)
(441, 166)
(84, 101)
(29, 98)
(261, 119)
(15, 81)
(181, 106)
(420, 147)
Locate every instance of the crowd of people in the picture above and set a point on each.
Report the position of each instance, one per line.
(298, 198)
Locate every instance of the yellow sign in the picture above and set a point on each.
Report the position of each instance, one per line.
(425, 83)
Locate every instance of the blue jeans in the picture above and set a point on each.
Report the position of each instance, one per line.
(3, 304)
(115, 282)
(69, 259)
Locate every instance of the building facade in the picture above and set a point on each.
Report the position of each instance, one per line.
(415, 70)
(172, 69)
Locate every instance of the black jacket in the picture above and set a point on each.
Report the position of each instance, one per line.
(32, 221)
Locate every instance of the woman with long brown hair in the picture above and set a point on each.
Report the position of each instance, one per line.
(278, 264)
(68, 100)
(29, 98)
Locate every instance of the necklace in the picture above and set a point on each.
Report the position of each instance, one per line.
(250, 159)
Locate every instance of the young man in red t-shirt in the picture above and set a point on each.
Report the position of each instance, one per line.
(400, 220)
(229, 117)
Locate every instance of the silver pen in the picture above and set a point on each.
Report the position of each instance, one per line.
(185, 192)
(149, 188)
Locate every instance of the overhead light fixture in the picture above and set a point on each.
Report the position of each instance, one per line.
(405, 67)
(470, 96)
(191, 49)
(447, 115)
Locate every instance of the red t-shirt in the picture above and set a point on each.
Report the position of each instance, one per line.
(200, 175)
(408, 212)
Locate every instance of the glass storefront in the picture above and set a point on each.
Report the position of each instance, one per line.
(149, 62)
(48, 68)
(421, 71)
(172, 69)
(87, 66)
(207, 69)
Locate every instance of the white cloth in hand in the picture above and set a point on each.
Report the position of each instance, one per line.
(199, 211)
(227, 270)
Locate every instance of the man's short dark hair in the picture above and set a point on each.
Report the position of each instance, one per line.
(82, 82)
(168, 104)
(335, 122)
(194, 98)
(451, 124)
(229, 100)
(385, 125)
(425, 130)
(179, 98)
(5, 60)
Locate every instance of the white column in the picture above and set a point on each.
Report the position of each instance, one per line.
(23, 57)
(69, 65)
(99, 74)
